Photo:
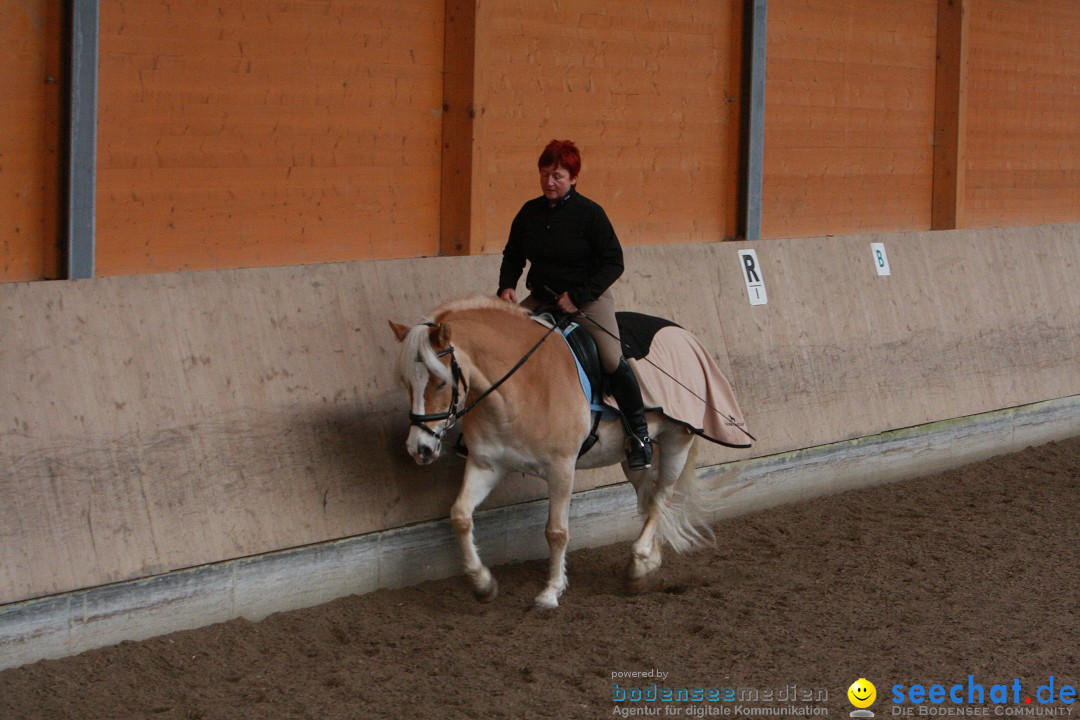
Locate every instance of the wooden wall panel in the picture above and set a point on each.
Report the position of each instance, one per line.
(849, 116)
(1023, 133)
(647, 90)
(238, 134)
(234, 134)
(950, 116)
(30, 133)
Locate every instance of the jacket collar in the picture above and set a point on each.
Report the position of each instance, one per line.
(562, 201)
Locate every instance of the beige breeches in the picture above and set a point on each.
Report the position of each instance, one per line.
(602, 311)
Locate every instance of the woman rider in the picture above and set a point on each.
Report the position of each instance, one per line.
(574, 258)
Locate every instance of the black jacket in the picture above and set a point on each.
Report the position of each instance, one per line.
(571, 247)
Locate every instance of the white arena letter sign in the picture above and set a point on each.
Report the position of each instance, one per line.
(755, 281)
(881, 260)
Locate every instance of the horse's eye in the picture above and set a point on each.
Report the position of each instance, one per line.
(441, 385)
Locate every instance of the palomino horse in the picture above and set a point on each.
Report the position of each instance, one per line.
(534, 423)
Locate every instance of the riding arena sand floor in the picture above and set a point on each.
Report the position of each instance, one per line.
(970, 572)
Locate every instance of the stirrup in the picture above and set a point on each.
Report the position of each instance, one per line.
(639, 453)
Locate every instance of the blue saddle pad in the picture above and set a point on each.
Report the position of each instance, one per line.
(587, 360)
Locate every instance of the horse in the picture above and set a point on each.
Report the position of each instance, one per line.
(535, 422)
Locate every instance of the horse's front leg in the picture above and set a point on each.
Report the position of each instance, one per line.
(478, 483)
(560, 482)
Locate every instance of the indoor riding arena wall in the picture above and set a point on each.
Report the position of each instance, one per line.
(184, 447)
(181, 449)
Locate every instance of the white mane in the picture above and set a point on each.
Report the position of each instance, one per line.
(479, 302)
(417, 353)
(417, 346)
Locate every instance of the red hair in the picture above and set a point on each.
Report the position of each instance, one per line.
(561, 152)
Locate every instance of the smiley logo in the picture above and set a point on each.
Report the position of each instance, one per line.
(862, 693)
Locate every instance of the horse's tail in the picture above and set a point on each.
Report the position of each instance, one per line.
(682, 514)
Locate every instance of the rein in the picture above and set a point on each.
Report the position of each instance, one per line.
(452, 414)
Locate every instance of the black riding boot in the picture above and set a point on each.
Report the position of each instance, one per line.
(627, 393)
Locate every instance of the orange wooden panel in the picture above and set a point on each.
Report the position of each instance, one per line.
(459, 112)
(1023, 136)
(29, 139)
(950, 116)
(849, 116)
(647, 90)
(238, 134)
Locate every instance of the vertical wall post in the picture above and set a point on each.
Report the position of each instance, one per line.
(950, 117)
(82, 165)
(458, 121)
(753, 119)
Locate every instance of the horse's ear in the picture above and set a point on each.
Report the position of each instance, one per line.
(440, 335)
(400, 331)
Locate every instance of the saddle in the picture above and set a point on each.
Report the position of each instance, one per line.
(636, 332)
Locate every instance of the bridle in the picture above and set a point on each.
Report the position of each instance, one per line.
(457, 379)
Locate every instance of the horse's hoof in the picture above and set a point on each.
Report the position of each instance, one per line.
(642, 576)
(544, 602)
(643, 584)
(489, 594)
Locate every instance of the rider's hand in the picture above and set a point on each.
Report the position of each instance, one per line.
(509, 295)
(566, 304)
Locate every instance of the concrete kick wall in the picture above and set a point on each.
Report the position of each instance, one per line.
(255, 587)
(154, 423)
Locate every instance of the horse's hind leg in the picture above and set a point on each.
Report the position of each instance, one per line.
(655, 492)
(478, 483)
(560, 486)
(645, 553)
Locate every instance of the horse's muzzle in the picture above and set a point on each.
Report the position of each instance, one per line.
(424, 455)
(424, 447)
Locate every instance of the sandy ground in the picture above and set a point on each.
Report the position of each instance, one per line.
(973, 572)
